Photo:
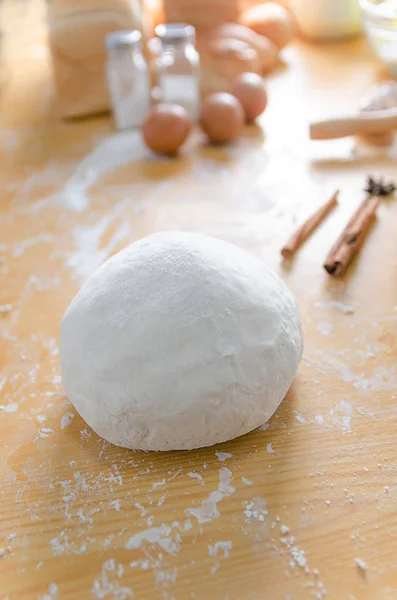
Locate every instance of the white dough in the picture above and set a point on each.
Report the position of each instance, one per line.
(179, 341)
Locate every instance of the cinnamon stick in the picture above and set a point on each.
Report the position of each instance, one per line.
(306, 229)
(351, 238)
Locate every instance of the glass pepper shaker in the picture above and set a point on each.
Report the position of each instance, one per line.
(178, 67)
(128, 78)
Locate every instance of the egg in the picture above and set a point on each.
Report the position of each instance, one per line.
(222, 117)
(221, 61)
(249, 89)
(266, 50)
(270, 20)
(166, 128)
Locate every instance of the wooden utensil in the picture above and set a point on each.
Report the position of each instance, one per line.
(372, 122)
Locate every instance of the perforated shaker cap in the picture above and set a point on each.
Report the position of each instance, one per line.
(124, 38)
(176, 33)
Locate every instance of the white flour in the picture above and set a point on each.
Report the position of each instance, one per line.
(52, 593)
(161, 536)
(381, 379)
(224, 547)
(195, 475)
(107, 585)
(209, 507)
(256, 510)
(82, 494)
(113, 152)
(67, 419)
(222, 456)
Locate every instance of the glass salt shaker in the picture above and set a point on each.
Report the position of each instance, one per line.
(178, 67)
(128, 78)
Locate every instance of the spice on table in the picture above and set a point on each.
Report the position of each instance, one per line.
(310, 225)
(352, 237)
(379, 188)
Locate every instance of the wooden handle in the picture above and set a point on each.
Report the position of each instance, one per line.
(366, 123)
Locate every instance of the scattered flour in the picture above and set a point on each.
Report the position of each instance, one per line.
(195, 475)
(223, 546)
(161, 536)
(5, 309)
(284, 529)
(341, 415)
(256, 510)
(299, 417)
(9, 408)
(361, 565)
(246, 481)
(324, 327)
(319, 419)
(52, 592)
(222, 456)
(114, 152)
(209, 509)
(298, 557)
(88, 253)
(43, 433)
(20, 247)
(345, 308)
(107, 584)
(381, 378)
(67, 419)
(116, 504)
(269, 447)
(264, 427)
(165, 578)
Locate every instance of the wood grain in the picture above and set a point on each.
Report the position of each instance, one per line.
(325, 467)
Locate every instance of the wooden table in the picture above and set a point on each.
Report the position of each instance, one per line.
(307, 504)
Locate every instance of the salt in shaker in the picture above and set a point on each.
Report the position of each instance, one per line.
(128, 78)
(178, 66)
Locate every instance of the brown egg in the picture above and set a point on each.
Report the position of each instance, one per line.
(221, 117)
(266, 50)
(249, 89)
(231, 56)
(222, 60)
(272, 21)
(166, 128)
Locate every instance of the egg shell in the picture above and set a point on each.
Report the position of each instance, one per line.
(272, 21)
(166, 128)
(222, 117)
(249, 89)
(266, 49)
(221, 61)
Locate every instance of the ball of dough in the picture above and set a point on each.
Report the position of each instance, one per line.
(272, 21)
(166, 128)
(249, 89)
(222, 117)
(179, 341)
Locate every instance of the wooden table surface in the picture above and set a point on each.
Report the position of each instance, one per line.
(300, 502)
